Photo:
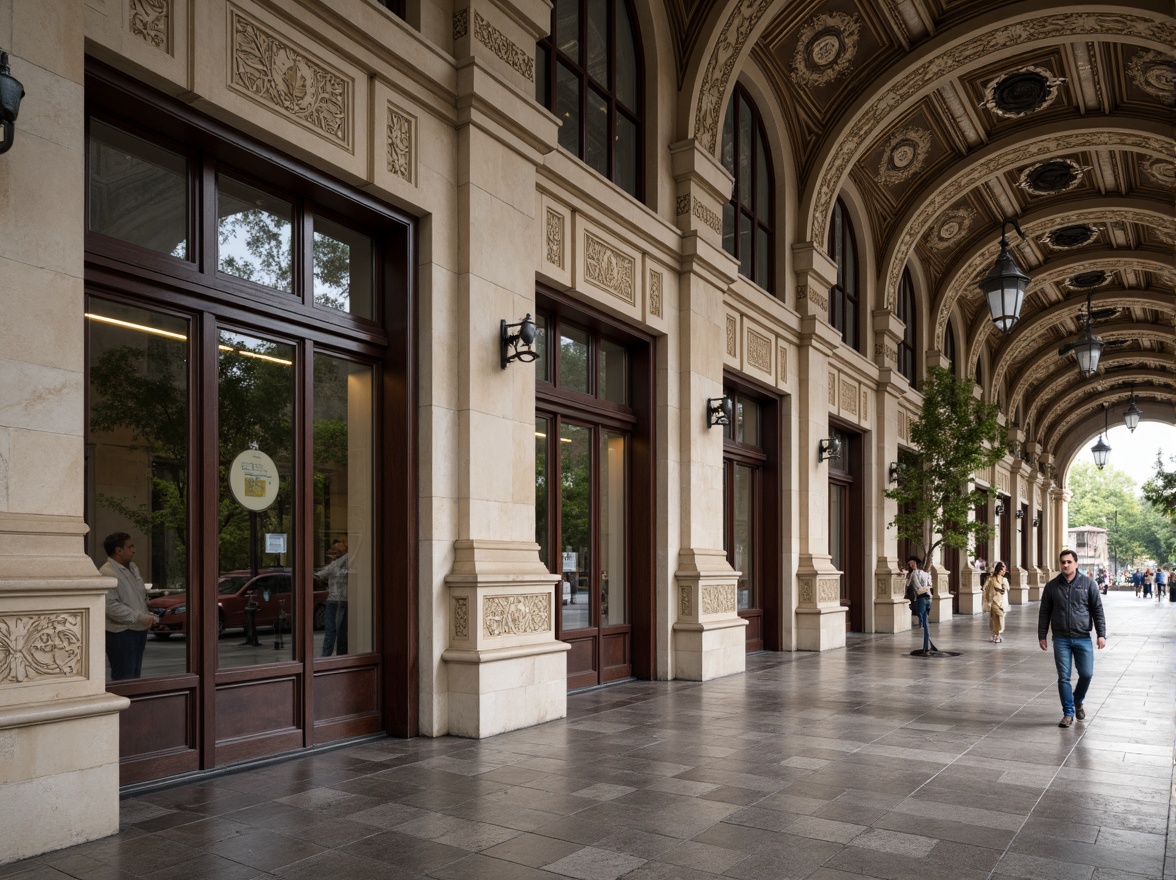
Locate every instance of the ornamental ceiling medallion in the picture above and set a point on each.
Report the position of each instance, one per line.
(904, 154)
(1066, 238)
(1088, 280)
(1018, 93)
(1161, 171)
(1153, 73)
(951, 228)
(825, 48)
(1051, 177)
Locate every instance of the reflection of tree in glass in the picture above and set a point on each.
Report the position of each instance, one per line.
(576, 492)
(142, 389)
(265, 239)
(332, 272)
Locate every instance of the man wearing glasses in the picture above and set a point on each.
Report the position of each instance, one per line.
(1071, 606)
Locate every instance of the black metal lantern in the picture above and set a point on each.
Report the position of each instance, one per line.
(1004, 285)
(1101, 449)
(11, 91)
(1088, 348)
(508, 342)
(1132, 414)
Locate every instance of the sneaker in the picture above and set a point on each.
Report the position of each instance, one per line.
(1066, 721)
(1079, 712)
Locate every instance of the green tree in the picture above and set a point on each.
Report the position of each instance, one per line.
(956, 435)
(1160, 490)
(1110, 499)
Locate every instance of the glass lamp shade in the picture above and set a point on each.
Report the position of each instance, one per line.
(1100, 451)
(1088, 349)
(1131, 416)
(1004, 289)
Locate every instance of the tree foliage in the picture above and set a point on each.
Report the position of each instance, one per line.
(1160, 490)
(956, 435)
(1110, 499)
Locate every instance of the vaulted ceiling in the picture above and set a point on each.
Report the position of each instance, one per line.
(1059, 115)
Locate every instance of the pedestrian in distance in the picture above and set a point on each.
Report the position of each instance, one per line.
(1071, 607)
(921, 582)
(996, 600)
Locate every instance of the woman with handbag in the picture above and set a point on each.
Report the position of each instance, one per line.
(996, 600)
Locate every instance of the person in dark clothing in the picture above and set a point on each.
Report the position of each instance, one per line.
(1071, 606)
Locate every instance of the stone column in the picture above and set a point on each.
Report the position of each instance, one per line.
(504, 668)
(1059, 500)
(708, 635)
(1034, 483)
(58, 725)
(891, 611)
(1018, 572)
(971, 581)
(941, 582)
(820, 619)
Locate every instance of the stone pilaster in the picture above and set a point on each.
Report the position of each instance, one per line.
(1018, 491)
(891, 610)
(709, 634)
(941, 584)
(820, 618)
(971, 600)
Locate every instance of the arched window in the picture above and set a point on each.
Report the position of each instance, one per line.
(843, 295)
(979, 370)
(949, 350)
(747, 218)
(906, 314)
(589, 75)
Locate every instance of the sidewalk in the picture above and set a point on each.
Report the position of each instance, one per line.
(863, 762)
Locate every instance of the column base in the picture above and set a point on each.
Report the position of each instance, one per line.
(703, 651)
(505, 689)
(971, 593)
(892, 613)
(941, 608)
(820, 629)
(709, 638)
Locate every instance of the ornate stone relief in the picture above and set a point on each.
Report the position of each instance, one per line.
(609, 269)
(825, 48)
(1161, 171)
(1019, 93)
(904, 425)
(461, 617)
(267, 69)
(759, 351)
(1002, 482)
(501, 45)
(732, 344)
(401, 144)
(461, 23)
(892, 96)
(1067, 238)
(829, 589)
(681, 205)
(39, 646)
(832, 391)
(904, 154)
(783, 363)
(685, 602)
(554, 222)
(951, 228)
(1152, 72)
(738, 27)
(655, 293)
(150, 21)
(865, 413)
(707, 216)
(1051, 177)
(806, 590)
(516, 615)
(887, 352)
(848, 397)
(718, 599)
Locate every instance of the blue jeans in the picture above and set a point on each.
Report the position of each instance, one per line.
(923, 609)
(125, 650)
(336, 628)
(1073, 652)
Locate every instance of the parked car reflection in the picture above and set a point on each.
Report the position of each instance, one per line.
(272, 593)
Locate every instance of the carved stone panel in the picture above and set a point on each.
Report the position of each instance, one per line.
(609, 269)
(685, 602)
(732, 345)
(655, 293)
(42, 646)
(719, 599)
(461, 617)
(281, 77)
(554, 243)
(829, 589)
(759, 351)
(516, 615)
(151, 21)
(402, 143)
(502, 46)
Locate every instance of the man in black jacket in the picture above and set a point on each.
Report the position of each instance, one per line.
(1071, 606)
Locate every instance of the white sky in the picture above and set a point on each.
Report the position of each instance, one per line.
(1135, 453)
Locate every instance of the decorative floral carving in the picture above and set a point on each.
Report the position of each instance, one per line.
(685, 603)
(951, 228)
(825, 48)
(885, 353)
(555, 238)
(848, 397)
(832, 391)
(707, 216)
(829, 589)
(682, 205)
(35, 646)
(903, 155)
(1152, 72)
(863, 413)
(655, 293)
(1056, 171)
(718, 599)
(759, 351)
(150, 21)
(270, 71)
(732, 344)
(738, 27)
(498, 43)
(1042, 83)
(516, 615)
(806, 590)
(822, 302)
(609, 269)
(461, 23)
(904, 425)
(783, 362)
(461, 617)
(401, 140)
(1161, 171)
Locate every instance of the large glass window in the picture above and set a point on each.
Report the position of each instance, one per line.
(907, 314)
(589, 75)
(253, 235)
(747, 218)
(138, 191)
(743, 466)
(342, 268)
(844, 313)
(137, 454)
(949, 349)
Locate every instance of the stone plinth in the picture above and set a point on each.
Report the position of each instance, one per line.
(892, 612)
(971, 592)
(709, 635)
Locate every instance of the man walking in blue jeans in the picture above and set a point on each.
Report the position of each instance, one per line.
(1071, 606)
(921, 581)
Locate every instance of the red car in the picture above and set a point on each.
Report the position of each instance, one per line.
(271, 592)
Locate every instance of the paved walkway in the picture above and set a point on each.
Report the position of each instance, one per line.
(865, 762)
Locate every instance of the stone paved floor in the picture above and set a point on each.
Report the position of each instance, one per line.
(864, 762)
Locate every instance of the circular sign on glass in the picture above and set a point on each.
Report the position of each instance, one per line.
(253, 480)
